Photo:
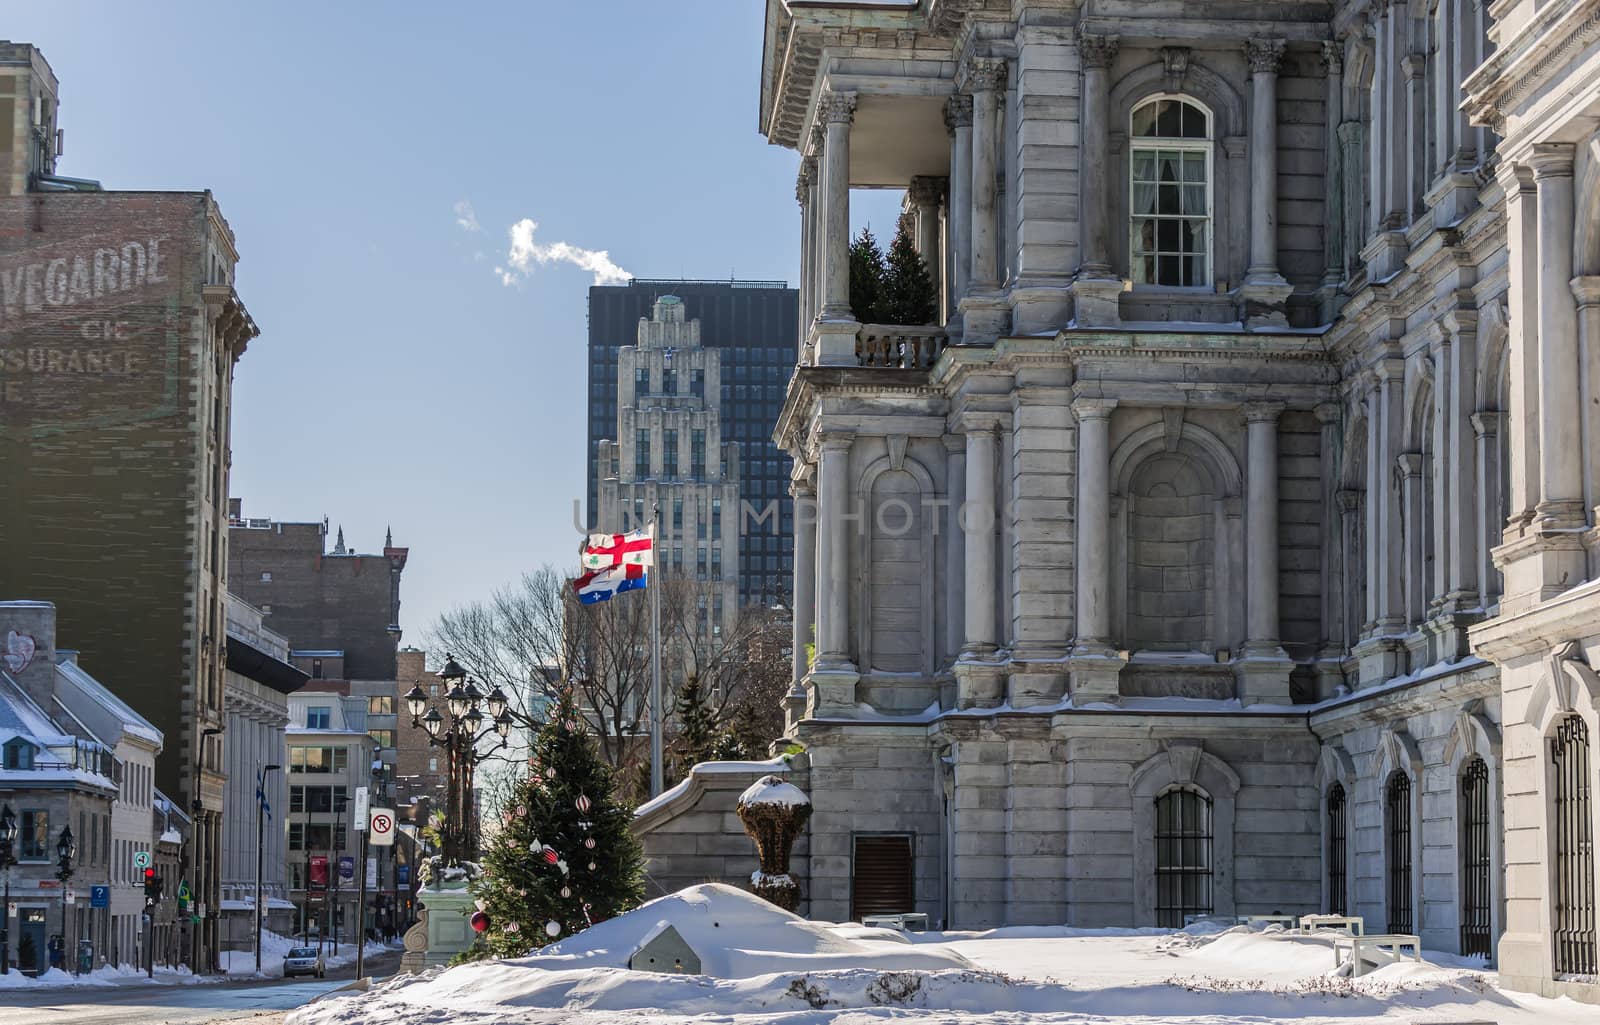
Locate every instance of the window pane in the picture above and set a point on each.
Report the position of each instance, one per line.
(1194, 167)
(1169, 122)
(1144, 120)
(1168, 272)
(1167, 236)
(1197, 276)
(1194, 122)
(1168, 195)
(1144, 199)
(1171, 164)
(1194, 200)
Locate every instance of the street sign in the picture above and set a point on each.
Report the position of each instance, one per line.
(363, 800)
(347, 868)
(382, 827)
(141, 859)
(70, 895)
(99, 896)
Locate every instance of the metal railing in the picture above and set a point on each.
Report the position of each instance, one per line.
(898, 346)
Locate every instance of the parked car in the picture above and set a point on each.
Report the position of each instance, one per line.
(303, 961)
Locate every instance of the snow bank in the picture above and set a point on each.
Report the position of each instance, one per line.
(106, 975)
(273, 948)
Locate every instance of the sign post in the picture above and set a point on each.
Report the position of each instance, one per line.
(363, 802)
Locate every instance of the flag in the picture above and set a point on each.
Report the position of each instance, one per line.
(604, 584)
(261, 794)
(636, 548)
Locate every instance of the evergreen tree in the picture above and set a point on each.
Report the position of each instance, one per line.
(564, 854)
(697, 727)
(866, 277)
(907, 296)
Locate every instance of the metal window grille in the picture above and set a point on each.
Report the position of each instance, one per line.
(1397, 815)
(1574, 918)
(882, 878)
(1337, 833)
(1183, 856)
(1477, 861)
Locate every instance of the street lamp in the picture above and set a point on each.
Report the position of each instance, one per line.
(201, 830)
(66, 848)
(459, 735)
(8, 838)
(261, 840)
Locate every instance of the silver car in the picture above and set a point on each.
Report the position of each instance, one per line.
(303, 961)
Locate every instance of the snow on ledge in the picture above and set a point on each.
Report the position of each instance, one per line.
(666, 797)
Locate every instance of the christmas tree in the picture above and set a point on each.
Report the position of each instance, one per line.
(907, 295)
(866, 277)
(564, 856)
(697, 727)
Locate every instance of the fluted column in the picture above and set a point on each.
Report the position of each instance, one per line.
(1094, 524)
(1522, 424)
(804, 194)
(838, 111)
(1265, 56)
(1386, 554)
(1096, 52)
(1353, 568)
(1261, 527)
(1561, 459)
(924, 196)
(979, 527)
(1378, 135)
(833, 551)
(958, 119)
(986, 78)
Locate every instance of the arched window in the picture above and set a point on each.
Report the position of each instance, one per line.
(1170, 194)
(1183, 856)
(1574, 868)
(1397, 825)
(1337, 833)
(1477, 861)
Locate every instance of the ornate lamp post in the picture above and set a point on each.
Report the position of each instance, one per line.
(66, 849)
(8, 857)
(458, 733)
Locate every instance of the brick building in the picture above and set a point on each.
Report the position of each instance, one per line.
(119, 331)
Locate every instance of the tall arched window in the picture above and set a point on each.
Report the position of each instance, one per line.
(1170, 194)
(1397, 825)
(1477, 860)
(1183, 856)
(1574, 919)
(1337, 845)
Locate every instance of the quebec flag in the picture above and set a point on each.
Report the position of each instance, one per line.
(603, 584)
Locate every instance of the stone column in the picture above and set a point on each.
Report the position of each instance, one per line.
(1393, 157)
(1334, 165)
(1261, 526)
(836, 344)
(833, 550)
(1097, 289)
(1586, 289)
(805, 195)
(1486, 428)
(1409, 465)
(986, 79)
(958, 119)
(1094, 522)
(1521, 426)
(1328, 419)
(1414, 68)
(1265, 55)
(1460, 466)
(1353, 567)
(979, 527)
(805, 576)
(1447, 77)
(1386, 541)
(924, 195)
(955, 553)
(1561, 458)
(1378, 135)
(1352, 136)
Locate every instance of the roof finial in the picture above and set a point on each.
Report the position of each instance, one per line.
(388, 536)
(338, 546)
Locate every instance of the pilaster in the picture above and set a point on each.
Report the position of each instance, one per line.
(1264, 291)
(1096, 290)
(1094, 663)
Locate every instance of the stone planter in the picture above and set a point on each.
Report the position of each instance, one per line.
(774, 812)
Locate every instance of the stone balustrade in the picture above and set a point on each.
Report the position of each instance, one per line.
(899, 346)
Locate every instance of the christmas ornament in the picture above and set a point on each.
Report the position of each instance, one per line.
(591, 866)
(589, 843)
(513, 928)
(582, 803)
(480, 921)
(550, 772)
(535, 847)
(552, 928)
(566, 891)
(562, 865)
(551, 856)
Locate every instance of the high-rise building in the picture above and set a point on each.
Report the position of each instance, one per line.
(119, 331)
(751, 325)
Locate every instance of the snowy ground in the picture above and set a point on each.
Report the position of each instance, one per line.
(774, 969)
(235, 964)
(242, 963)
(122, 975)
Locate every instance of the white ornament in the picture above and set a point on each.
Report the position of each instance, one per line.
(552, 928)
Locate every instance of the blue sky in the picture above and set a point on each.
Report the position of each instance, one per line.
(397, 380)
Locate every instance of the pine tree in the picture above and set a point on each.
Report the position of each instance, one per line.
(697, 727)
(866, 277)
(564, 853)
(907, 296)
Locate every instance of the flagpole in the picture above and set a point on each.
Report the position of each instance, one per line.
(656, 717)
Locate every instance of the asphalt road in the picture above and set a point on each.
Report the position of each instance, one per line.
(259, 1003)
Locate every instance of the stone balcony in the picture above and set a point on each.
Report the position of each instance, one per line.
(898, 346)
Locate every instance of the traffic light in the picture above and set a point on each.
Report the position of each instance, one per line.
(152, 887)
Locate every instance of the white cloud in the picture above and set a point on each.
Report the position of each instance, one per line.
(525, 254)
(466, 217)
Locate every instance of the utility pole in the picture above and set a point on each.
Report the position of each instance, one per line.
(653, 583)
(363, 809)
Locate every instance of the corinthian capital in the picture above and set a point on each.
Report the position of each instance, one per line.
(1266, 55)
(925, 191)
(958, 112)
(1096, 49)
(805, 179)
(983, 73)
(837, 108)
(1333, 56)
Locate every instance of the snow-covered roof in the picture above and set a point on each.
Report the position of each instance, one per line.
(132, 722)
(58, 757)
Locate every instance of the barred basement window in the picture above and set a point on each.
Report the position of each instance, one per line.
(1397, 820)
(1477, 861)
(1183, 856)
(1336, 850)
(1574, 867)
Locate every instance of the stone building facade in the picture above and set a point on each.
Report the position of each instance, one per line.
(669, 452)
(119, 332)
(1225, 549)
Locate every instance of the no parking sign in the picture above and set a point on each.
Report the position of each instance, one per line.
(382, 827)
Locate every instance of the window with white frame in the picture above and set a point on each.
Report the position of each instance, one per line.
(1170, 194)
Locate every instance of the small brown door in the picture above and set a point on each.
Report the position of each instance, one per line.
(881, 881)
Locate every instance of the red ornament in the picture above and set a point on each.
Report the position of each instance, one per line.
(551, 856)
(480, 921)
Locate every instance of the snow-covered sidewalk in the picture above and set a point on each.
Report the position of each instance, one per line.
(242, 963)
(769, 968)
(107, 975)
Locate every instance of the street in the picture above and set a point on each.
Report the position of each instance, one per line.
(196, 1004)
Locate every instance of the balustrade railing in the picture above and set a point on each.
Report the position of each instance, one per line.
(899, 347)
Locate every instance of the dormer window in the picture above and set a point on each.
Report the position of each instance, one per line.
(1170, 194)
(18, 754)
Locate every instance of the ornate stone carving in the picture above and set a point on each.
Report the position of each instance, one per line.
(837, 108)
(983, 73)
(1265, 55)
(1096, 49)
(958, 112)
(806, 177)
(1175, 59)
(925, 190)
(1261, 411)
(1333, 56)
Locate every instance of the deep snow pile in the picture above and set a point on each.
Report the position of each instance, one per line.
(777, 969)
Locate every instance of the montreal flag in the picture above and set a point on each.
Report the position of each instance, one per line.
(636, 548)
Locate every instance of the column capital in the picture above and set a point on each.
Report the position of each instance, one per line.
(1326, 412)
(982, 74)
(955, 444)
(1551, 160)
(1414, 65)
(804, 179)
(801, 487)
(1349, 499)
(835, 441)
(1486, 423)
(977, 421)
(958, 112)
(925, 190)
(1097, 49)
(1456, 322)
(1389, 368)
(837, 108)
(1409, 464)
(1265, 55)
(817, 137)
(1092, 409)
(1262, 412)
(1586, 289)
(1333, 56)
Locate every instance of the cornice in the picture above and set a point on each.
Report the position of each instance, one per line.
(1515, 71)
